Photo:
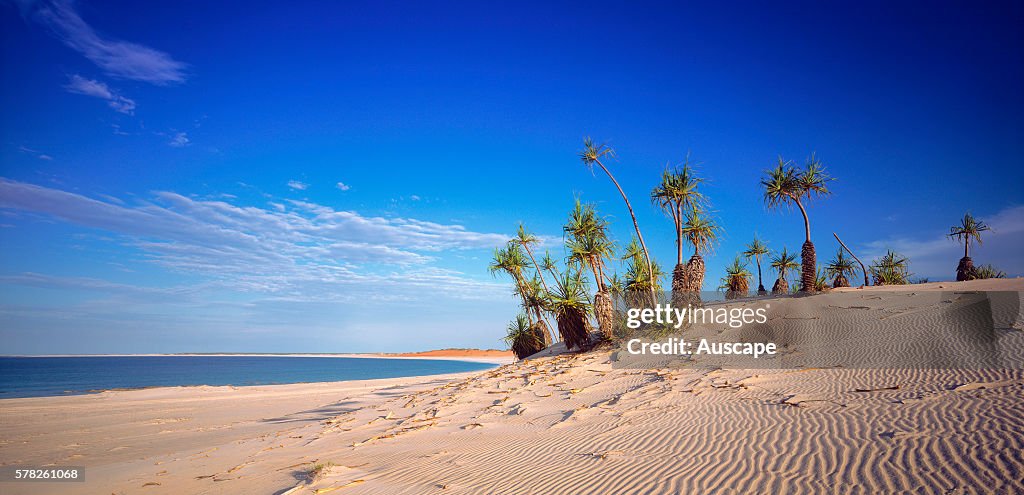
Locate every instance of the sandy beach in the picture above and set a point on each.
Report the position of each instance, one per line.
(567, 423)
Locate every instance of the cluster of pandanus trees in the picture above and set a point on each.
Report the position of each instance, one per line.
(566, 304)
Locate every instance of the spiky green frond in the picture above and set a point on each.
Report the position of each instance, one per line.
(784, 261)
(969, 228)
(988, 271)
(525, 238)
(785, 184)
(570, 292)
(701, 230)
(756, 249)
(841, 265)
(891, 269)
(679, 189)
(593, 152)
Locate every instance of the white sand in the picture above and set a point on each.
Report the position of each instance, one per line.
(562, 424)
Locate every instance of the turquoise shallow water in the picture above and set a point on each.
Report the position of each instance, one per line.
(49, 376)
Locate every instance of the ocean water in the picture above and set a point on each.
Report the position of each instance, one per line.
(50, 376)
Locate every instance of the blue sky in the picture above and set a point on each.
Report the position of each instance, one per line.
(199, 176)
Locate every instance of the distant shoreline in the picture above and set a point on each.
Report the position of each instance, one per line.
(470, 355)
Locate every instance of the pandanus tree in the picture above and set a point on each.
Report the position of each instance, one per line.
(569, 302)
(637, 283)
(989, 271)
(757, 250)
(841, 268)
(969, 228)
(591, 155)
(784, 185)
(536, 302)
(588, 244)
(677, 195)
(783, 262)
(891, 269)
(701, 231)
(736, 279)
(512, 261)
(526, 239)
(547, 263)
(524, 339)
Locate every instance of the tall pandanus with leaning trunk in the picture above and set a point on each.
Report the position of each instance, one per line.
(784, 185)
(588, 245)
(677, 195)
(591, 155)
(756, 250)
(783, 262)
(701, 231)
(969, 228)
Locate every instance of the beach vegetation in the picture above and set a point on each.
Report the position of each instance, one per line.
(891, 269)
(319, 470)
(525, 339)
(756, 251)
(571, 307)
(592, 154)
(841, 268)
(784, 261)
(737, 279)
(969, 229)
(677, 195)
(702, 232)
(639, 288)
(784, 186)
(588, 245)
(988, 271)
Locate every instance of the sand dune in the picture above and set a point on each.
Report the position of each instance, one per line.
(551, 425)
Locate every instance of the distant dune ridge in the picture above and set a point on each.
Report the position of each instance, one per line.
(560, 424)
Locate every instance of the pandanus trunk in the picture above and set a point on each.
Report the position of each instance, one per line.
(760, 286)
(808, 273)
(573, 327)
(809, 269)
(781, 286)
(965, 270)
(678, 284)
(738, 287)
(636, 226)
(694, 274)
(603, 312)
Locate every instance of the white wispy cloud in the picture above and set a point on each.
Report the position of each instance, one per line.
(90, 87)
(297, 185)
(937, 257)
(179, 140)
(38, 154)
(121, 59)
(343, 186)
(305, 251)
